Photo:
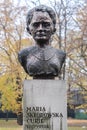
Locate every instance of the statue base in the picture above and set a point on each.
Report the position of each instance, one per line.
(44, 105)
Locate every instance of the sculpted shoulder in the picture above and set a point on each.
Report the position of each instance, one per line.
(22, 56)
(24, 52)
(61, 55)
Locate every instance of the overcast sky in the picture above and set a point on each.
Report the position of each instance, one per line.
(29, 3)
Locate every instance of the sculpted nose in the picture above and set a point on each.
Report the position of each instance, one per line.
(40, 27)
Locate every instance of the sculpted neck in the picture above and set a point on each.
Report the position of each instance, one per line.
(42, 44)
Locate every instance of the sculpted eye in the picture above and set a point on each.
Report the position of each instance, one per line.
(46, 24)
(36, 24)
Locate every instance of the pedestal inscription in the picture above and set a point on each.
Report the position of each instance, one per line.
(44, 105)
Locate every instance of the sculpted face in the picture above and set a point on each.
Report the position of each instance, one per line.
(41, 26)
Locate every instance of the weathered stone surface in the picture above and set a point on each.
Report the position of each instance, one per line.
(44, 105)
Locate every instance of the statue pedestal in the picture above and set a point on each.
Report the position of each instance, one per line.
(44, 105)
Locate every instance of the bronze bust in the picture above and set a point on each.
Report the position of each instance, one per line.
(41, 61)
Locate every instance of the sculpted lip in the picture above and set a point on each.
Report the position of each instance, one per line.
(41, 33)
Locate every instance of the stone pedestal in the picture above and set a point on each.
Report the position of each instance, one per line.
(44, 105)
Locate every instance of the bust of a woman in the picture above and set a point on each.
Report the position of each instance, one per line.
(41, 61)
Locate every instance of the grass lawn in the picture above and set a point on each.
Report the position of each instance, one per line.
(10, 128)
(9, 125)
(70, 128)
(76, 128)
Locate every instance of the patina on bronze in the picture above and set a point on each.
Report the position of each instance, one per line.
(41, 61)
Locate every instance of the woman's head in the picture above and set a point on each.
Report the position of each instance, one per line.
(41, 8)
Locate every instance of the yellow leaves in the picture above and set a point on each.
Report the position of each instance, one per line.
(23, 43)
(8, 89)
(83, 106)
(9, 99)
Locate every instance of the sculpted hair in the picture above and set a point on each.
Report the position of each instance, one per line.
(41, 8)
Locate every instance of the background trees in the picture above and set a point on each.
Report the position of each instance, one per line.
(11, 41)
(78, 54)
